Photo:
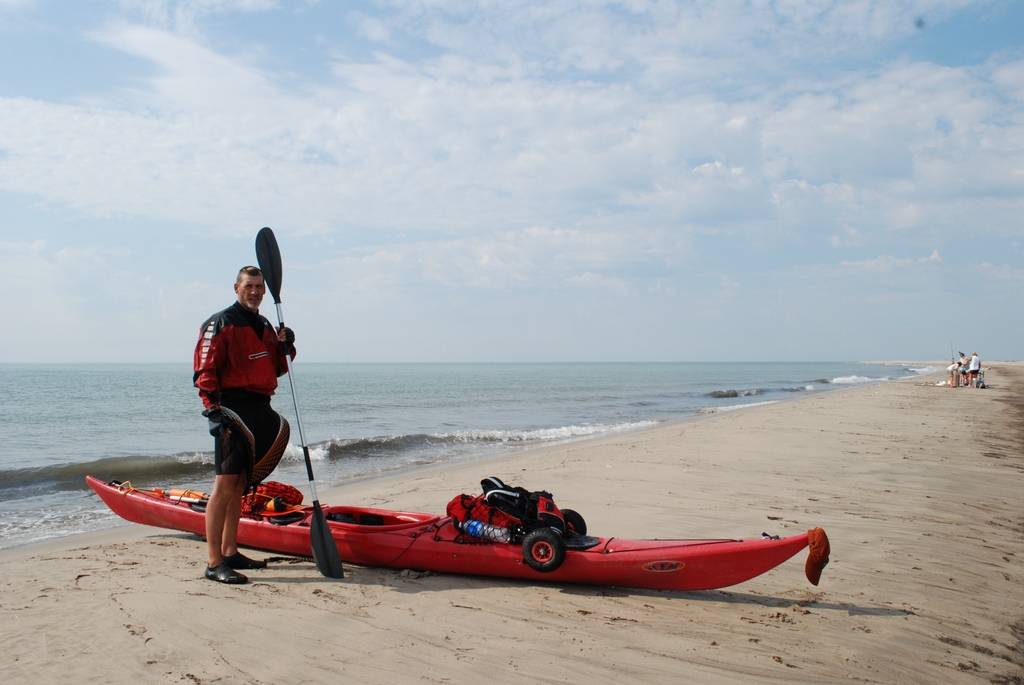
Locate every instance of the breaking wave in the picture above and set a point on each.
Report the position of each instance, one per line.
(724, 394)
(852, 380)
(384, 445)
(199, 465)
(139, 468)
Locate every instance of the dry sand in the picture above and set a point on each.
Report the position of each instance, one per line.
(919, 487)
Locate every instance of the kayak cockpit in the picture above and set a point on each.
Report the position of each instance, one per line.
(377, 519)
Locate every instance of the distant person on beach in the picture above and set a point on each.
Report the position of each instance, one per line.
(973, 368)
(237, 362)
(954, 373)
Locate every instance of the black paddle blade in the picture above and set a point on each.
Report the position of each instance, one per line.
(325, 549)
(269, 257)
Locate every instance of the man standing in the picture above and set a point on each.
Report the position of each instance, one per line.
(237, 362)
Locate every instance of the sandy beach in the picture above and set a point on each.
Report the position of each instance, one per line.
(921, 489)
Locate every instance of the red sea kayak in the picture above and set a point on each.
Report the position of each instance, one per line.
(428, 542)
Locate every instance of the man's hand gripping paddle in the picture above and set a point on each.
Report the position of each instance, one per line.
(325, 550)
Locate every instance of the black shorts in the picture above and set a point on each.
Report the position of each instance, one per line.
(258, 438)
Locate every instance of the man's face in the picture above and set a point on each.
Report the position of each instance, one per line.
(250, 291)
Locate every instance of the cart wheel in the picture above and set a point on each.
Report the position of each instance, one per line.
(544, 550)
(574, 523)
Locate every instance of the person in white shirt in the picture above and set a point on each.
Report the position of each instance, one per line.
(974, 368)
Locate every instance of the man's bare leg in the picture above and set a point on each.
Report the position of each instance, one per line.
(222, 512)
(229, 543)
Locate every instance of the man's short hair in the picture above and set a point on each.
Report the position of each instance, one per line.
(248, 271)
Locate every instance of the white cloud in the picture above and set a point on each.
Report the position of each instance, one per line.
(1001, 272)
(53, 286)
(184, 16)
(191, 77)
(659, 41)
(728, 286)
(847, 236)
(885, 263)
(592, 280)
(1010, 79)
(100, 304)
(458, 144)
(528, 259)
(373, 28)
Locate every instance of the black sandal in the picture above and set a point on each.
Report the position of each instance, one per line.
(240, 561)
(225, 574)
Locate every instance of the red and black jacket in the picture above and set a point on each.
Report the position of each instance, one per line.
(231, 355)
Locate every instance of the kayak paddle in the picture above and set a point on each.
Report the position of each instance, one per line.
(325, 550)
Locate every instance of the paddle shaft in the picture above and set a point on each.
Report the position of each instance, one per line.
(321, 540)
(295, 405)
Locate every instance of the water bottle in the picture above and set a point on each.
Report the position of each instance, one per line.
(485, 531)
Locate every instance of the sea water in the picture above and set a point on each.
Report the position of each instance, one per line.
(142, 422)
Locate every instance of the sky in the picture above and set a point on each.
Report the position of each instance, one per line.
(481, 181)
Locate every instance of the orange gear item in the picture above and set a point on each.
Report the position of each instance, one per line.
(817, 559)
(271, 497)
(178, 495)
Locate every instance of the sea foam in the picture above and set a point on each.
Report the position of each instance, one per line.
(923, 370)
(544, 434)
(851, 380)
(734, 407)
